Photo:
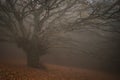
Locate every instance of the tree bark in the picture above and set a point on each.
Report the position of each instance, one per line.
(33, 52)
(33, 60)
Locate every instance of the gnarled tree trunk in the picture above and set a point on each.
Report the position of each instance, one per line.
(33, 52)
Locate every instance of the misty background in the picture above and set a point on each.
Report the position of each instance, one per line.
(80, 33)
(94, 52)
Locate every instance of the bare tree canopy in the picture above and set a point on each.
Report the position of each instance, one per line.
(32, 23)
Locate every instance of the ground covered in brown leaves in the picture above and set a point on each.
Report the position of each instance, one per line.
(53, 72)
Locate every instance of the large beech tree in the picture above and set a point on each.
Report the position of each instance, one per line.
(29, 23)
(22, 22)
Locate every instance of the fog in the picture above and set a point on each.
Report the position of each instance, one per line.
(93, 50)
(83, 34)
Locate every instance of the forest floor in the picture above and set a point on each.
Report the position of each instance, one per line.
(52, 72)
